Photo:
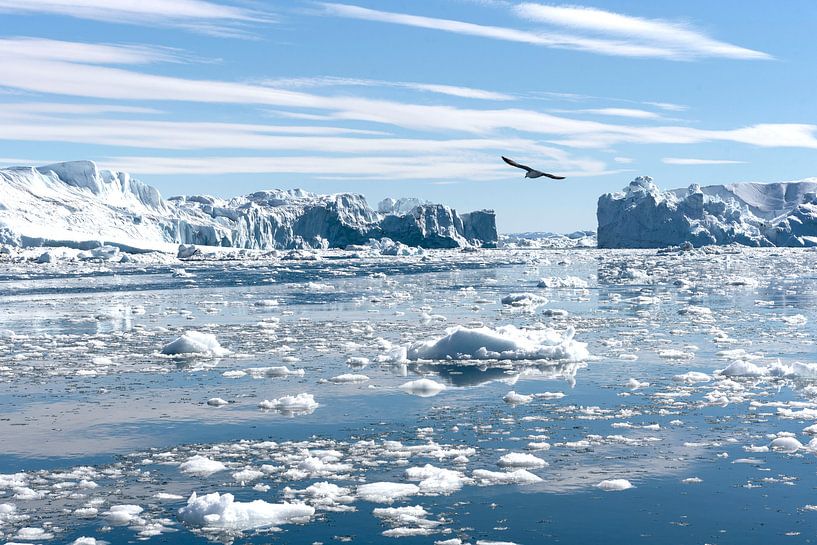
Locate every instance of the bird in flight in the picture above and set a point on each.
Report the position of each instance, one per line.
(531, 172)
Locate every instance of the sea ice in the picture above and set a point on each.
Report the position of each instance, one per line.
(505, 342)
(201, 466)
(222, 511)
(423, 387)
(610, 485)
(386, 492)
(300, 404)
(521, 459)
(194, 342)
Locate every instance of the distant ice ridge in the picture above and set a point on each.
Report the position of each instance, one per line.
(77, 205)
(752, 214)
(547, 240)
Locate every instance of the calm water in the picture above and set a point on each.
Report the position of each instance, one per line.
(93, 416)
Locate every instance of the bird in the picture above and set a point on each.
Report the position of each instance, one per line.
(531, 172)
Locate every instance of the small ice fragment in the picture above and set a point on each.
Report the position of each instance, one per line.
(610, 485)
(423, 387)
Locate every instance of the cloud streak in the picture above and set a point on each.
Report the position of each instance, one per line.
(331, 81)
(621, 35)
(195, 15)
(679, 39)
(691, 161)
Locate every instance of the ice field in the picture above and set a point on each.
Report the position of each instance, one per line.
(486, 396)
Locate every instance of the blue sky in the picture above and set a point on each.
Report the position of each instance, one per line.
(391, 98)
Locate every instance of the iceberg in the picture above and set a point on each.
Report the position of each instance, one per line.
(77, 205)
(751, 214)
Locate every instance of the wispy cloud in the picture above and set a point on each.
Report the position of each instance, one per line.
(195, 15)
(332, 81)
(690, 161)
(646, 40)
(681, 40)
(669, 106)
(620, 112)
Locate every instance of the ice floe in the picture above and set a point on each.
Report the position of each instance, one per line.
(217, 510)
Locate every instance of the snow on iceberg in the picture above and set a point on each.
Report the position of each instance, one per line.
(752, 214)
(78, 205)
(222, 511)
(505, 342)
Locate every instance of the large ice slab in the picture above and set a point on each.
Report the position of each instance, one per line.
(752, 214)
(76, 204)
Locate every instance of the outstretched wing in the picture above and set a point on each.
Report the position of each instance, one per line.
(553, 176)
(515, 164)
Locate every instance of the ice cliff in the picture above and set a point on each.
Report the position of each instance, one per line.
(79, 205)
(752, 214)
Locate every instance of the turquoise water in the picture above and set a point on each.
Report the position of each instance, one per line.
(82, 385)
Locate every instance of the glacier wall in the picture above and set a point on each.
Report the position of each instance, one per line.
(752, 214)
(79, 205)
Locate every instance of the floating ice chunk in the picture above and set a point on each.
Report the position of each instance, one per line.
(505, 342)
(326, 496)
(267, 303)
(194, 342)
(549, 395)
(524, 300)
(692, 376)
(571, 282)
(743, 368)
(83, 540)
(122, 515)
(32, 534)
(247, 475)
(222, 511)
(521, 459)
(386, 492)
(274, 371)
(611, 485)
(301, 404)
(167, 496)
(348, 378)
(435, 480)
(406, 521)
(785, 444)
(216, 402)
(518, 476)
(697, 311)
(357, 362)
(795, 370)
(635, 384)
(512, 398)
(675, 354)
(795, 320)
(423, 387)
(201, 466)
